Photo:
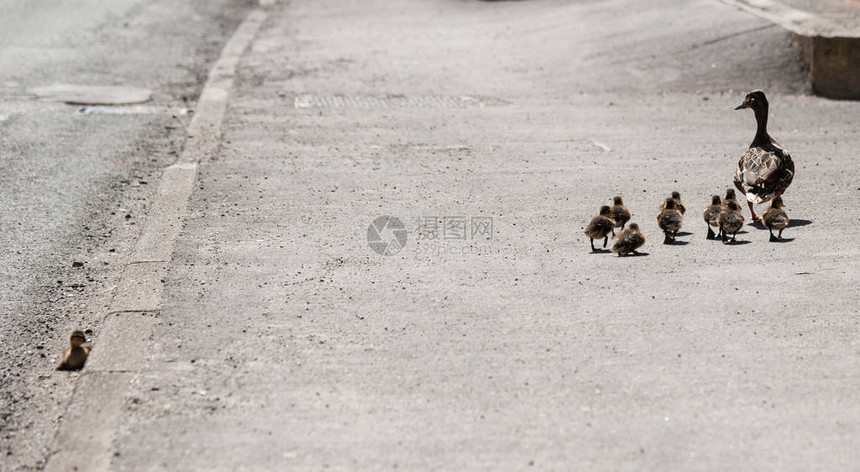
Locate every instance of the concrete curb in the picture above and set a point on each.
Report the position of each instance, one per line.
(87, 430)
(830, 52)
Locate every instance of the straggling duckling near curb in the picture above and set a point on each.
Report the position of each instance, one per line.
(731, 220)
(600, 226)
(775, 218)
(711, 214)
(628, 240)
(620, 213)
(75, 356)
(670, 219)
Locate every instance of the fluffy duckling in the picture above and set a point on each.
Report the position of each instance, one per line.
(670, 219)
(679, 205)
(76, 354)
(711, 214)
(775, 218)
(620, 213)
(731, 220)
(765, 170)
(600, 226)
(730, 195)
(628, 240)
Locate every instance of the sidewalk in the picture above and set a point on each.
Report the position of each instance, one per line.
(284, 342)
(827, 35)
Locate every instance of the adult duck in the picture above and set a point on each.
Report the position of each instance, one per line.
(765, 170)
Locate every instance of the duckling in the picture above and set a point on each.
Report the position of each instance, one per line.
(730, 220)
(775, 218)
(765, 170)
(711, 214)
(670, 219)
(76, 354)
(678, 204)
(600, 226)
(620, 213)
(628, 240)
(730, 195)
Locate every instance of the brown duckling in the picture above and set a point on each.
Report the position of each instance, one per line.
(600, 226)
(731, 220)
(620, 213)
(628, 240)
(765, 170)
(711, 214)
(730, 195)
(670, 219)
(775, 218)
(679, 205)
(76, 354)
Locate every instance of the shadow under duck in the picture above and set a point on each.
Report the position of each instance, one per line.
(765, 170)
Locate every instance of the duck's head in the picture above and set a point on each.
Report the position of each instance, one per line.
(730, 194)
(670, 204)
(733, 205)
(633, 227)
(676, 196)
(777, 202)
(715, 200)
(77, 338)
(605, 211)
(755, 100)
(617, 201)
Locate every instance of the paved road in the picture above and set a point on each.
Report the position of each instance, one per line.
(285, 342)
(74, 187)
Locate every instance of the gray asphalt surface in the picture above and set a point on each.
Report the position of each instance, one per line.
(73, 188)
(845, 13)
(285, 342)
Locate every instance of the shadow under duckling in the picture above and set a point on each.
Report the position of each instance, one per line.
(75, 356)
(600, 226)
(731, 220)
(775, 218)
(620, 213)
(628, 240)
(711, 214)
(670, 219)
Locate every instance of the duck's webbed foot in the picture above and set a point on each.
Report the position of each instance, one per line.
(605, 240)
(752, 212)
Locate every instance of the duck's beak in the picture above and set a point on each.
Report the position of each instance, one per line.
(742, 106)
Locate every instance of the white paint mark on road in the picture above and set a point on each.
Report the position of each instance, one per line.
(133, 110)
(93, 94)
(601, 146)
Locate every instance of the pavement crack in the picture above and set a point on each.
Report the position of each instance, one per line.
(732, 35)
